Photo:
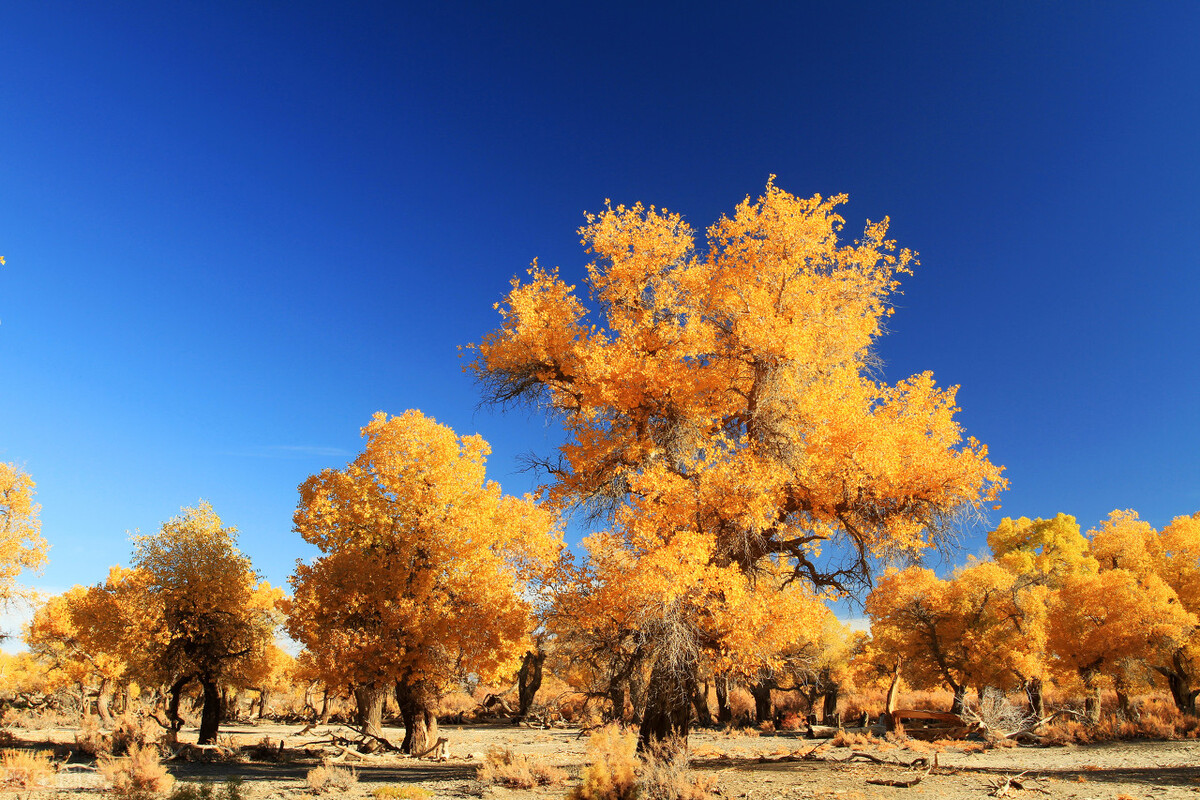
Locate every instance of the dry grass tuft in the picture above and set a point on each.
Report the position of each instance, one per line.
(401, 793)
(327, 778)
(665, 775)
(139, 775)
(612, 773)
(516, 771)
(844, 739)
(25, 769)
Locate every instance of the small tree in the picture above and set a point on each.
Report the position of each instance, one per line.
(204, 606)
(425, 572)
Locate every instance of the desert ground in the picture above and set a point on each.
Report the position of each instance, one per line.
(745, 765)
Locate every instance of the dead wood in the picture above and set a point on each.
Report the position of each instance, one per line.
(1001, 788)
(919, 761)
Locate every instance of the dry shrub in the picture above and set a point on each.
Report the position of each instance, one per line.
(665, 775)
(327, 777)
(454, 703)
(265, 750)
(866, 701)
(844, 739)
(741, 702)
(131, 731)
(401, 793)
(205, 791)
(91, 740)
(612, 773)
(139, 775)
(517, 771)
(791, 722)
(1159, 719)
(932, 699)
(25, 768)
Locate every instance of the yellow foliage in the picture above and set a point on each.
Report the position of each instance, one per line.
(425, 563)
(21, 543)
(721, 415)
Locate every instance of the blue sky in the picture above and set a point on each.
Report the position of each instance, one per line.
(234, 231)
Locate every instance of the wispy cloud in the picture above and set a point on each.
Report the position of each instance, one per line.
(290, 451)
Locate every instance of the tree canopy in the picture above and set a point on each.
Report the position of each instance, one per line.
(424, 570)
(724, 418)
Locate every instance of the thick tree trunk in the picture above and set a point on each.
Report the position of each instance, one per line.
(420, 723)
(724, 709)
(103, 700)
(325, 709)
(762, 700)
(700, 703)
(1179, 681)
(829, 708)
(1091, 705)
(668, 705)
(230, 699)
(893, 694)
(369, 712)
(959, 706)
(616, 700)
(210, 716)
(264, 695)
(1037, 701)
(637, 692)
(529, 680)
(1182, 693)
(173, 705)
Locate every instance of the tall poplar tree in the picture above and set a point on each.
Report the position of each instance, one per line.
(724, 418)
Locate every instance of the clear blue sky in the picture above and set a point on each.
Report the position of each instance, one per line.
(236, 230)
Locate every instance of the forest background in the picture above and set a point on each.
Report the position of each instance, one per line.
(233, 234)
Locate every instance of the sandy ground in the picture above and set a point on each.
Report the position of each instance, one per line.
(746, 767)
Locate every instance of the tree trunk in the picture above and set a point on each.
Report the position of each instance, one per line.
(173, 706)
(762, 700)
(1091, 705)
(959, 705)
(264, 695)
(616, 697)
(829, 708)
(103, 700)
(1037, 701)
(210, 716)
(325, 709)
(668, 704)
(637, 692)
(369, 712)
(893, 694)
(420, 723)
(230, 697)
(724, 709)
(1179, 681)
(700, 702)
(529, 680)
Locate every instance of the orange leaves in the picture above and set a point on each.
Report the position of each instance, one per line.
(721, 414)
(425, 562)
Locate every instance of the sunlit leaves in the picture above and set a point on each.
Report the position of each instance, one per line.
(425, 564)
(21, 543)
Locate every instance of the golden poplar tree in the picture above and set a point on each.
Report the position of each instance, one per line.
(424, 570)
(201, 609)
(79, 633)
(724, 417)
